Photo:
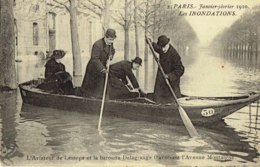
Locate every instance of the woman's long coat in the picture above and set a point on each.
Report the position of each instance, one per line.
(93, 82)
(52, 67)
(172, 66)
(57, 80)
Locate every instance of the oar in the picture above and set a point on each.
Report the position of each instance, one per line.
(186, 120)
(104, 92)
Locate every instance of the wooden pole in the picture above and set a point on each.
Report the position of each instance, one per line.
(104, 92)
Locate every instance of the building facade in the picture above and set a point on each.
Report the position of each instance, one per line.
(42, 26)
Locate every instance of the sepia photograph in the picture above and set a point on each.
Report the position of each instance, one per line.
(130, 83)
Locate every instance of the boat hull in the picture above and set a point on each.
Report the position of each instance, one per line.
(197, 108)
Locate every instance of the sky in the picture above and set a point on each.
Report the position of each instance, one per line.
(207, 27)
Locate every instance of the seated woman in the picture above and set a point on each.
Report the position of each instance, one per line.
(57, 80)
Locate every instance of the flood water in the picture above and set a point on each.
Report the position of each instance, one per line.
(32, 136)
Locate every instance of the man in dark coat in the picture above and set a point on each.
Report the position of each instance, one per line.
(102, 50)
(118, 74)
(171, 63)
(57, 80)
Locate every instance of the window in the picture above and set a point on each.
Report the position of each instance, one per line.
(35, 34)
(51, 20)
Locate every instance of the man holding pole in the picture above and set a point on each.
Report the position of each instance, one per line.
(94, 79)
(173, 68)
(173, 62)
(119, 85)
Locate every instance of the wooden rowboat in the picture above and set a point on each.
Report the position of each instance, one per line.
(201, 110)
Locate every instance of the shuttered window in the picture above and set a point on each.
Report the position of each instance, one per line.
(35, 34)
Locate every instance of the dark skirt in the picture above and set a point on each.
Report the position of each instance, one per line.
(60, 83)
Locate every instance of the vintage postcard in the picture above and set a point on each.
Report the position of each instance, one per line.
(130, 83)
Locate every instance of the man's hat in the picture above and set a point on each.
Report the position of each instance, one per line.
(163, 40)
(138, 60)
(111, 33)
(58, 54)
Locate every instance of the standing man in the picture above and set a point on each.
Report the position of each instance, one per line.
(94, 79)
(171, 63)
(119, 72)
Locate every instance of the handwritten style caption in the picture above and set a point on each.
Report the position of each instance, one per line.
(208, 9)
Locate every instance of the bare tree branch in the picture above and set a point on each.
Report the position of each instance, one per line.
(129, 3)
(127, 20)
(103, 3)
(120, 23)
(95, 4)
(141, 25)
(111, 2)
(83, 5)
(148, 31)
(122, 16)
(149, 13)
(149, 25)
(62, 4)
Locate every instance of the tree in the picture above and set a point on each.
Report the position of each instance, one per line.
(101, 8)
(156, 18)
(145, 20)
(241, 38)
(124, 17)
(7, 45)
(72, 9)
(136, 34)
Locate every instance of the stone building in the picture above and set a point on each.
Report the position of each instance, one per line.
(41, 27)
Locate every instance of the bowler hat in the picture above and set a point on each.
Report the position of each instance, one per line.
(138, 60)
(163, 40)
(58, 54)
(111, 33)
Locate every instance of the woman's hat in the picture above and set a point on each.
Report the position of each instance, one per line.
(58, 54)
(138, 60)
(163, 40)
(111, 33)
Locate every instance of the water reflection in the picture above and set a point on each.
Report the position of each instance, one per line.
(244, 61)
(9, 147)
(74, 134)
(212, 74)
(65, 133)
(253, 125)
(247, 72)
(228, 142)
